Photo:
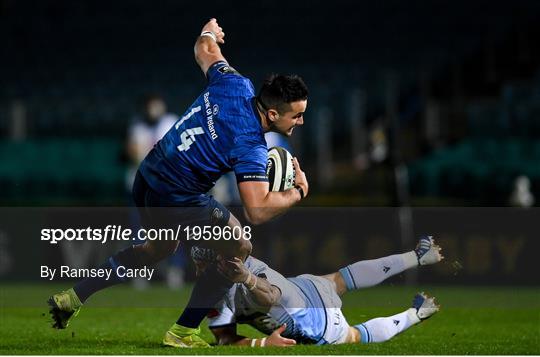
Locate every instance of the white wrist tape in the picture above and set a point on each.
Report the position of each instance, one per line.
(209, 34)
(253, 342)
(248, 279)
(250, 288)
(263, 342)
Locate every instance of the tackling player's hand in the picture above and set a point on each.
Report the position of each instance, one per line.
(233, 269)
(300, 177)
(200, 267)
(213, 26)
(275, 339)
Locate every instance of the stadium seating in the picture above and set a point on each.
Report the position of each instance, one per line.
(80, 76)
(62, 171)
(503, 143)
(83, 87)
(478, 169)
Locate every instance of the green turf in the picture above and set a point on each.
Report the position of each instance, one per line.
(124, 321)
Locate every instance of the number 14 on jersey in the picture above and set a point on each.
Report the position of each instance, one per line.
(188, 136)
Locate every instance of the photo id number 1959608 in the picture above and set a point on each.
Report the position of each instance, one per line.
(217, 232)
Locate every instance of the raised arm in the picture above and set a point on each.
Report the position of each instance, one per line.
(207, 51)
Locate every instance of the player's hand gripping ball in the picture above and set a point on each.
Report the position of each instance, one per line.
(280, 169)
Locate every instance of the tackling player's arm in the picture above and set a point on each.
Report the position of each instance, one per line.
(207, 51)
(227, 335)
(265, 294)
(261, 204)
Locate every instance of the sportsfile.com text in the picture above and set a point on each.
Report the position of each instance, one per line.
(119, 233)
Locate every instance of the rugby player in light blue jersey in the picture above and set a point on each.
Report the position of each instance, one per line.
(222, 131)
(307, 308)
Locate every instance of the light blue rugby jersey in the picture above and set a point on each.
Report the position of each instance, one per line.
(301, 307)
(219, 132)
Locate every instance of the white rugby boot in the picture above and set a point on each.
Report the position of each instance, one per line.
(427, 252)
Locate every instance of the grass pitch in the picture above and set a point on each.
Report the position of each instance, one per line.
(124, 321)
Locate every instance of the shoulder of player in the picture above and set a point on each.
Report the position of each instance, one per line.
(235, 85)
(263, 271)
(253, 263)
(222, 74)
(250, 139)
(222, 67)
(235, 109)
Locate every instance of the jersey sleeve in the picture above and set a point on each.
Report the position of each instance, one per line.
(220, 71)
(249, 158)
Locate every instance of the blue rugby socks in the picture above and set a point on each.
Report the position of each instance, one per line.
(209, 289)
(128, 257)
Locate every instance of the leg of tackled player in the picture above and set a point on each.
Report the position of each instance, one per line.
(382, 329)
(368, 273)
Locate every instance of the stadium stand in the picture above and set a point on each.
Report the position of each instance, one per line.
(78, 68)
(503, 144)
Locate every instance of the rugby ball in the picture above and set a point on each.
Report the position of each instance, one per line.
(280, 169)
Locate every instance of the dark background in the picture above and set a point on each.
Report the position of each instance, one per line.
(452, 88)
(412, 103)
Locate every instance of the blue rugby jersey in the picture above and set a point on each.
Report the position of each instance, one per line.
(219, 132)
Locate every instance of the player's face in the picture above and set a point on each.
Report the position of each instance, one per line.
(286, 122)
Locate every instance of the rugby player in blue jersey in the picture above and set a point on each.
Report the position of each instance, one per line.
(222, 131)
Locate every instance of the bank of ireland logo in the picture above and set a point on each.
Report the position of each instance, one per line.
(215, 109)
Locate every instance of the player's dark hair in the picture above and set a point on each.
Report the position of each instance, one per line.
(278, 91)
